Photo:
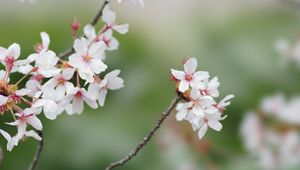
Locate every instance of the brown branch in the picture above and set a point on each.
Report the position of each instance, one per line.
(147, 138)
(38, 152)
(93, 22)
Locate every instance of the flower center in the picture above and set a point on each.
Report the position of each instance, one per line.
(9, 62)
(6, 89)
(87, 58)
(61, 81)
(78, 95)
(188, 77)
(22, 118)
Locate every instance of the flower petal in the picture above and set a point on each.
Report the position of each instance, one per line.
(190, 65)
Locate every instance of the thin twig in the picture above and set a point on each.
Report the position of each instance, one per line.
(93, 22)
(147, 138)
(38, 152)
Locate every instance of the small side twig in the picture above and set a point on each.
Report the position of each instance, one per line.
(93, 22)
(147, 138)
(38, 152)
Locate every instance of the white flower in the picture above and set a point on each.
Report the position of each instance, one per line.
(211, 88)
(45, 43)
(273, 104)
(9, 57)
(190, 77)
(202, 124)
(11, 141)
(46, 63)
(47, 102)
(88, 59)
(252, 131)
(224, 102)
(90, 33)
(140, 2)
(183, 110)
(14, 141)
(34, 87)
(109, 17)
(28, 116)
(110, 42)
(199, 106)
(74, 101)
(60, 83)
(49, 107)
(111, 81)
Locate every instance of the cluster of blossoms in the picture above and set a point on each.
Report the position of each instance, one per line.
(200, 109)
(272, 134)
(54, 85)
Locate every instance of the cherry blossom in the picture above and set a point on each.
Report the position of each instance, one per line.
(111, 81)
(107, 37)
(189, 77)
(60, 83)
(9, 57)
(28, 116)
(88, 59)
(45, 43)
(46, 63)
(109, 17)
(202, 124)
(74, 100)
(11, 141)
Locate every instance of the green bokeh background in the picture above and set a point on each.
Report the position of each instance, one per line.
(232, 39)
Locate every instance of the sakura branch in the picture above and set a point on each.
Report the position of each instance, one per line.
(199, 109)
(51, 85)
(147, 138)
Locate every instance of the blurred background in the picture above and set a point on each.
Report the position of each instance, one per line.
(232, 39)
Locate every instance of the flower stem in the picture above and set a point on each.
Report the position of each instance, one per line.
(147, 138)
(38, 152)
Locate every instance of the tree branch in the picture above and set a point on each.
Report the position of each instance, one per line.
(93, 22)
(38, 152)
(147, 138)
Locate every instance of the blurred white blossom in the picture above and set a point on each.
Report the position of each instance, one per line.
(275, 143)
